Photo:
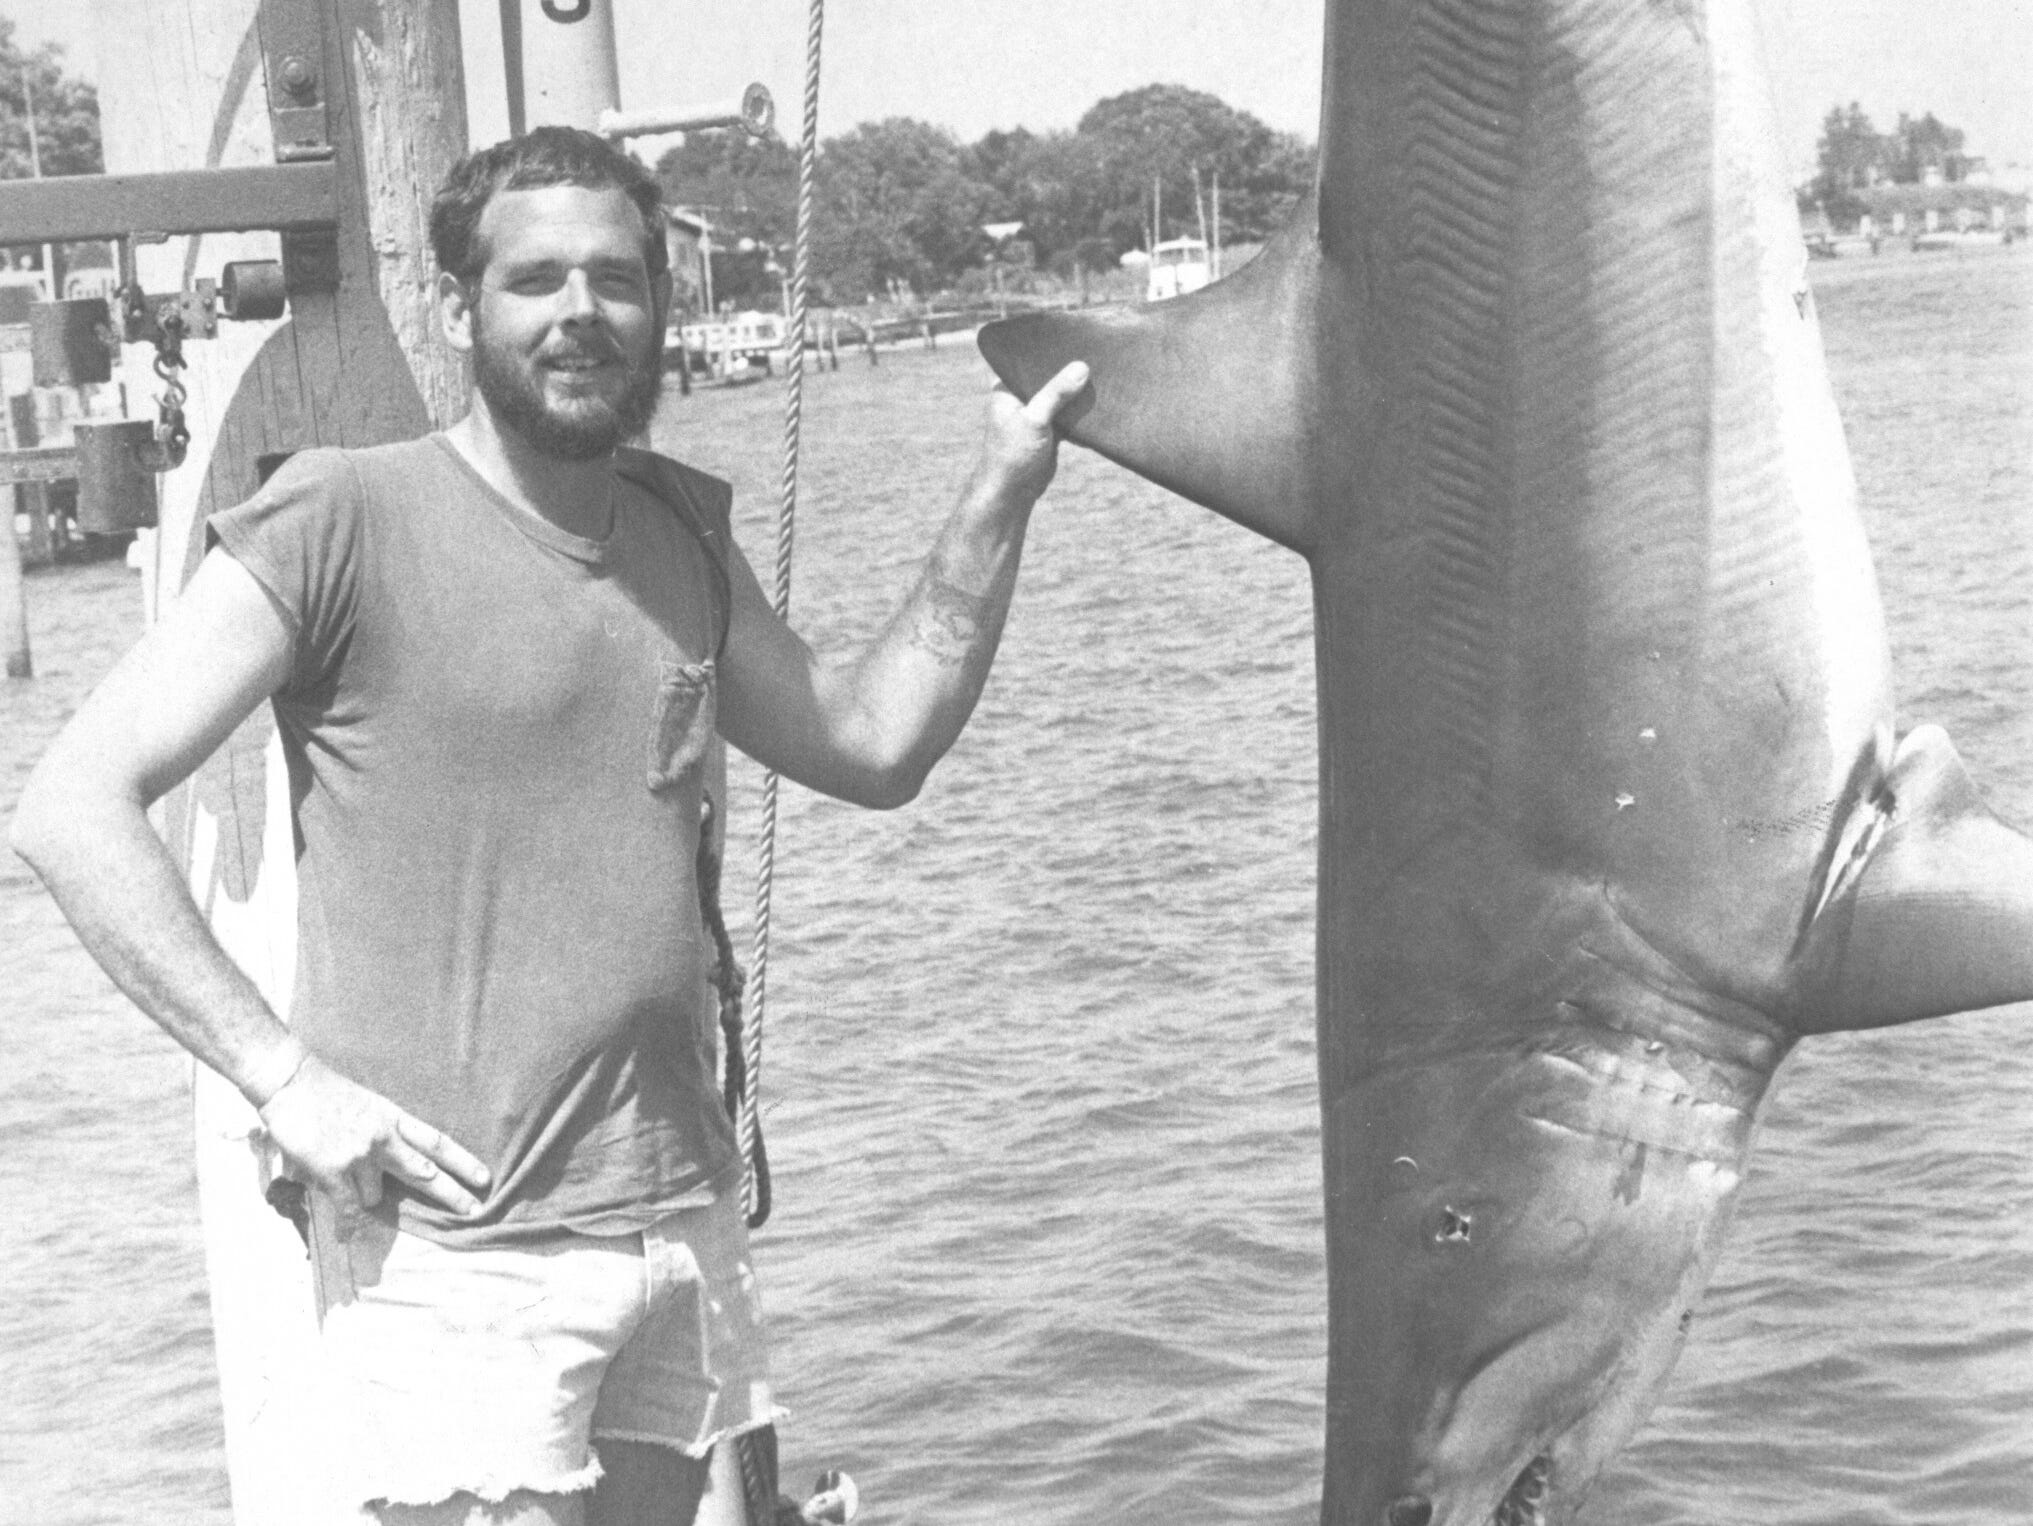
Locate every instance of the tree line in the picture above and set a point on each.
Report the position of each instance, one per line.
(66, 115)
(48, 120)
(904, 206)
(1853, 155)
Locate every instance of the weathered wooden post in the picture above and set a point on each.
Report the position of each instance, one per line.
(375, 87)
(20, 661)
(14, 644)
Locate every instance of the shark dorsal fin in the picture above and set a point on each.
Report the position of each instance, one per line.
(1154, 410)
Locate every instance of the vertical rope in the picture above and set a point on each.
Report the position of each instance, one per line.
(794, 401)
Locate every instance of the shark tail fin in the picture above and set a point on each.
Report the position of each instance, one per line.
(1941, 917)
(1157, 407)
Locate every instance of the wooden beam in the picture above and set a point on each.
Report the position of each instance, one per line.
(281, 197)
(41, 463)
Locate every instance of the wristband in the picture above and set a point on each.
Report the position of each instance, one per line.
(274, 1073)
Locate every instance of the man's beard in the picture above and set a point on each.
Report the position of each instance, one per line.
(584, 430)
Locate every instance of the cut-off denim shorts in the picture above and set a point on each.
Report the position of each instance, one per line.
(449, 1371)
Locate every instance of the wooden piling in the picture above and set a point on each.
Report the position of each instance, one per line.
(13, 600)
(20, 661)
(182, 87)
(40, 549)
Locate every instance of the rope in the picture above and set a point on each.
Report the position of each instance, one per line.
(758, 1476)
(794, 403)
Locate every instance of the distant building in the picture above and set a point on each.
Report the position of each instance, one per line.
(1941, 206)
(688, 238)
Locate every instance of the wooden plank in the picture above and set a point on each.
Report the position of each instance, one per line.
(287, 197)
(41, 463)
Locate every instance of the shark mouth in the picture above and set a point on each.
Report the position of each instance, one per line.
(1525, 1505)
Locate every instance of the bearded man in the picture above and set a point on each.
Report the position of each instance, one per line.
(497, 657)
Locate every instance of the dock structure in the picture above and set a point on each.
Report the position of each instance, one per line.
(367, 96)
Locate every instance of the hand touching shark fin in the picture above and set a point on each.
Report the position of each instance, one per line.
(1236, 450)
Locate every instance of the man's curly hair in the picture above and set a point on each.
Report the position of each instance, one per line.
(543, 156)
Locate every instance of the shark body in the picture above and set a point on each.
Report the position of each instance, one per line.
(1613, 809)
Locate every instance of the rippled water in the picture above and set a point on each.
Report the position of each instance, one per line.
(1040, 1070)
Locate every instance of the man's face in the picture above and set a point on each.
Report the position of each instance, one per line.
(566, 324)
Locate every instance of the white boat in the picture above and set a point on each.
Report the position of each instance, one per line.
(724, 345)
(1178, 265)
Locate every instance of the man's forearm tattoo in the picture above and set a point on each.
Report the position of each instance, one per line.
(948, 622)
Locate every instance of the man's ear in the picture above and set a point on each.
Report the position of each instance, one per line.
(455, 312)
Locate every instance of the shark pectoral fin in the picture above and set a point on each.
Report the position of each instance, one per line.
(1941, 919)
(1167, 403)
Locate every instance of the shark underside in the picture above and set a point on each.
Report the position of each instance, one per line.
(1613, 808)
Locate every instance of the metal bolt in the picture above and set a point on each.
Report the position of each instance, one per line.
(297, 75)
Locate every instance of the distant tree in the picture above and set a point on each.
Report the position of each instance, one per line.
(1852, 155)
(902, 203)
(1271, 190)
(897, 206)
(1177, 140)
(747, 191)
(66, 123)
(1049, 183)
(1919, 145)
(999, 159)
(66, 112)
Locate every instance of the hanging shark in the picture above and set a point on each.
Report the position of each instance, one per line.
(1613, 809)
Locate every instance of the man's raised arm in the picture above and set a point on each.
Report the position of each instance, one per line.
(869, 730)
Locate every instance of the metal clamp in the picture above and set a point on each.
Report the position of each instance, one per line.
(292, 37)
(145, 317)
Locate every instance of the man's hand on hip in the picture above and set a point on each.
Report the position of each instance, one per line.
(340, 1138)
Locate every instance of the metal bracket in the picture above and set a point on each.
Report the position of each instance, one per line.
(292, 37)
(143, 316)
(310, 262)
(142, 312)
(292, 34)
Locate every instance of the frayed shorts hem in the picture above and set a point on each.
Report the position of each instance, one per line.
(493, 1490)
(447, 1372)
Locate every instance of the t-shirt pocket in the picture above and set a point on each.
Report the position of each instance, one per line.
(682, 727)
